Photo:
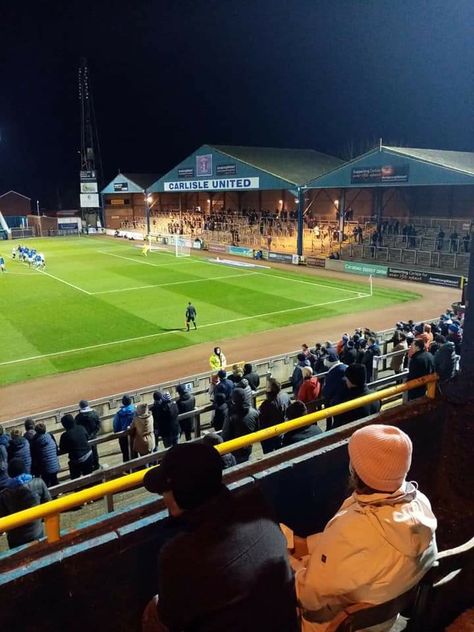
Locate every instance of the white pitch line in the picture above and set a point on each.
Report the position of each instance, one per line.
(143, 287)
(167, 333)
(76, 287)
(147, 263)
(327, 287)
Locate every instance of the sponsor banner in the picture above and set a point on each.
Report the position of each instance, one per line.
(217, 248)
(216, 184)
(240, 251)
(120, 186)
(204, 165)
(66, 226)
(466, 227)
(316, 262)
(89, 187)
(226, 170)
(383, 174)
(187, 172)
(117, 202)
(367, 269)
(432, 278)
(90, 200)
(87, 176)
(281, 257)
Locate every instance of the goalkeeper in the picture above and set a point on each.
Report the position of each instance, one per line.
(190, 316)
(146, 245)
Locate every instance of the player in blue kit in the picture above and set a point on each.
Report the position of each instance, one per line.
(2, 264)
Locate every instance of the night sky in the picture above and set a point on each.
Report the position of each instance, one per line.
(168, 76)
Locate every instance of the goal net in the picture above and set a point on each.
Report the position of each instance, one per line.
(181, 247)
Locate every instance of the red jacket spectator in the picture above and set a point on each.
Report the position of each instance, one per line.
(310, 388)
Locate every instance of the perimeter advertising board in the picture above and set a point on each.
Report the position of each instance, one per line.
(281, 257)
(214, 184)
(240, 251)
(432, 278)
(367, 269)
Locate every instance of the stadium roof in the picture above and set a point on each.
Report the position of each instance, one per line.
(130, 182)
(387, 166)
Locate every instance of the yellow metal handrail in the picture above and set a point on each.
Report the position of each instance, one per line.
(51, 510)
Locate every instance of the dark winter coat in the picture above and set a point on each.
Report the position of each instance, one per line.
(90, 421)
(272, 412)
(244, 385)
(23, 492)
(226, 387)
(5, 442)
(301, 434)
(44, 454)
(19, 448)
(368, 360)
(29, 434)
(74, 442)
(333, 388)
(166, 416)
(221, 412)
(186, 402)
(242, 421)
(358, 413)
(296, 378)
(349, 355)
(445, 361)
(252, 378)
(421, 363)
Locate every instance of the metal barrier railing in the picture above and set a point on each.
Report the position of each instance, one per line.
(51, 511)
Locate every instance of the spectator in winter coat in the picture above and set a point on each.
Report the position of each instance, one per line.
(378, 545)
(355, 379)
(224, 385)
(23, 491)
(19, 447)
(74, 442)
(4, 443)
(252, 377)
(89, 419)
(213, 439)
(272, 412)
(310, 388)
(349, 353)
(399, 344)
(455, 336)
(237, 374)
(44, 453)
(296, 378)
(333, 384)
(372, 350)
(244, 385)
(141, 431)
(122, 420)
(221, 412)
(217, 361)
(4, 478)
(445, 361)
(421, 363)
(186, 402)
(29, 429)
(166, 417)
(242, 420)
(294, 411)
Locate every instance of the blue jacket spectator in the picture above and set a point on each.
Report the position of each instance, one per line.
(333, 389)
(4, 443)
(297, 377)
(19, 448)
(122, 420)
(224, 385)
(44, 454)
(4, 478)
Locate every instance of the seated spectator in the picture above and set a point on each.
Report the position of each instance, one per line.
(229, 558)
(89, 419)
(355, 379)
(296, 378)
(217, 361)
(310, 387)
(186, 402)
(421, 363)
(22, 492)
(122, 420)
(272, 412)
(224, 385)
(167, 419)
(74, 443)
(221, 412)
(44, 454)
(242, 420)
(212, 439)
(399, 344)
(29, 429)
(378, 545)
(294, 411)
(251, 376)
(445, 361)
(19, 448)
(141, 431)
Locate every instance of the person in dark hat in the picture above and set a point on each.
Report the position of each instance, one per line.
(294, 411)
(74, 442)
(243, 419)
(89, 419)
(218, 573)
(355, 379)
(122, 421)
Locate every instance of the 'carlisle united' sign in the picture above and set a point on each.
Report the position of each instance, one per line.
(217, 184)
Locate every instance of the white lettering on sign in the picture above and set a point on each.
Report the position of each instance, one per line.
(217, 184)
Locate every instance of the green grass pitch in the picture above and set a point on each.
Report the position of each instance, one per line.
(100, 301)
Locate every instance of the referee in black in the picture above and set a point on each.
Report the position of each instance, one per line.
(190, 316)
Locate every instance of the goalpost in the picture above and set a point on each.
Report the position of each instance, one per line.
(181, 248)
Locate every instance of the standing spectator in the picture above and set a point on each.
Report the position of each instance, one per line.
(4, 443)
(372, 351)
(230, 559)
(155, 411)
(212, 439)
(333, 383)
(122, 420)
(19, 447)
(244, 385)
(236, 375)
(221, 412)
(310, 387)
(168, 424)
(224, 385)
(381, 541)
(22, 492)
(355, 378)
(186, 402)
(421, 363)
(242, 420)
(4, 478)
(272, 412)
(294, 411)
(296, 378)
(217, 360)
(29, 429)
(445, 361)
(74, 442)
(453, 242)
(399, 344)
(466, 240)
(440, 240)
(251, 376)
(349, 353)
(44, 454)
(141, 431)
(89, 419)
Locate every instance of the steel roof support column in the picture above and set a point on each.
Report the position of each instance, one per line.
(301, 203)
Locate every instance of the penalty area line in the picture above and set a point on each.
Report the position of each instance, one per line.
(167, 333)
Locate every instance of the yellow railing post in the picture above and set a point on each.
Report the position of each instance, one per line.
(52, 528)
(431, 390)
